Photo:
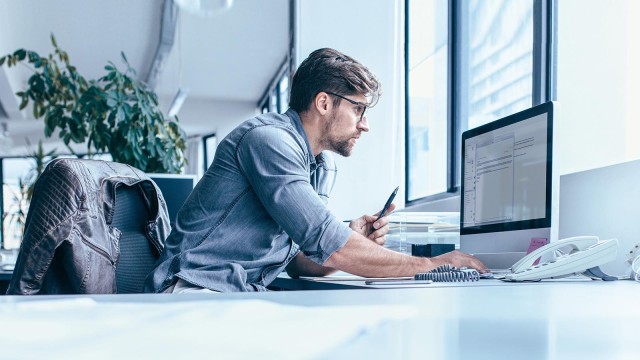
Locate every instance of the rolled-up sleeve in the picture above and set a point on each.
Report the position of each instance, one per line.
(275, 164)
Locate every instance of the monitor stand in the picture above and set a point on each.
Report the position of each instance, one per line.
(500, 250)
(500, 261)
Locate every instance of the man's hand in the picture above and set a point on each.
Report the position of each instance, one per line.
(459, 259)
(363, 224)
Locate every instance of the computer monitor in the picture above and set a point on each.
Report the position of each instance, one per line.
(175, 190)
(506, 194)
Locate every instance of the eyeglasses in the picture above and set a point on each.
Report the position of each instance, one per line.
(361, 108)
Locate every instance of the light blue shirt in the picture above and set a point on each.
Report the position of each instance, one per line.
(261, 201)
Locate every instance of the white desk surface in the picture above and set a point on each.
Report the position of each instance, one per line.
(561, 320)
(343, 281)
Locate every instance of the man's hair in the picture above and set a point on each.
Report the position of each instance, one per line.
(332, 71)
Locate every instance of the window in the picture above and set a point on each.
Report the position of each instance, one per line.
(468, 62)
(496, 59)
(276, 97)
(427, 82)
(283, 93)
(17, 174)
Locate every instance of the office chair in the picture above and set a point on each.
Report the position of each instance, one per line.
(92, 227)
(137, 255)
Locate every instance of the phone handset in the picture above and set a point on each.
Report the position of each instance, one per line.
(578, 243)
(587, 252)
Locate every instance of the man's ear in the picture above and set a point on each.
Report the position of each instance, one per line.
(322, 103)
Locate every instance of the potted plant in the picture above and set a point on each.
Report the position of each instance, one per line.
(113, 114)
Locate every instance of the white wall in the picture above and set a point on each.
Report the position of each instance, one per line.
(200, 116)
(598, 83)
(369, 32)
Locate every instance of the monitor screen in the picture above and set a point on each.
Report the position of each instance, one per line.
(507, 179)
(175, 190)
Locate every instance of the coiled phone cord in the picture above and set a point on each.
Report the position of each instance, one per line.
(448, 273)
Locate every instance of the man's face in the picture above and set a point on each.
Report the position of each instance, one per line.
(345, 125)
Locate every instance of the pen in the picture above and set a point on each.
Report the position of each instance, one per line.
(397, 282)
(386, 206)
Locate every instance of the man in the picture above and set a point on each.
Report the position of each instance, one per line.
(261, 206)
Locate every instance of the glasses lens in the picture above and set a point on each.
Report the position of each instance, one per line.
(360, 107)
(364, 109)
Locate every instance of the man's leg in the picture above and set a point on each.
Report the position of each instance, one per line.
(184, 287)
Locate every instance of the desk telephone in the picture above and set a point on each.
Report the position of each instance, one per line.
(587, 252)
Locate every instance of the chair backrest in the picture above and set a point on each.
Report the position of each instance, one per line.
(93, 227)
(137, 256)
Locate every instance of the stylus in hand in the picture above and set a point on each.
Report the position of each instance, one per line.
(386, 206)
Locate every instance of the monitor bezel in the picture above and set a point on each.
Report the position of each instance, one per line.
(168, 195)
(497, 124)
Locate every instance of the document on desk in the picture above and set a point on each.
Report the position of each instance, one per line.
(343, 276)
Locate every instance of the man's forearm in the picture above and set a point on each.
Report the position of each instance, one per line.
(301, 266)
(361, 256)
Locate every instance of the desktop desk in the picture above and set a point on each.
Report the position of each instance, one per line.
(344, 281)
(594, 320)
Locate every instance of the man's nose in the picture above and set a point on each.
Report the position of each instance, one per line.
(363, 125)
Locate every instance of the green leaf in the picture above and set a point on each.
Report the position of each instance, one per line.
(2, 60)
(48, 130)
(24, 102)
(20, 54)
(53, 41)
(35, 110)
(33, 56)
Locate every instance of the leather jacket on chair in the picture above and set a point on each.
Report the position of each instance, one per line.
(70, 216)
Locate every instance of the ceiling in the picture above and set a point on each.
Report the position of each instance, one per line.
(229, 57)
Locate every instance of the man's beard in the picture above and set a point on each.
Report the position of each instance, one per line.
(342, 146)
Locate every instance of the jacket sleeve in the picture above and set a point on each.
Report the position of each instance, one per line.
(34, 261)
(48, 224)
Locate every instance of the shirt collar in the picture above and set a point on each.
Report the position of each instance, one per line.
(297, 123)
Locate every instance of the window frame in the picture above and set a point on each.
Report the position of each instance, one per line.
(28, 157)
(272, 99)
(543, 84)
(205, 148)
